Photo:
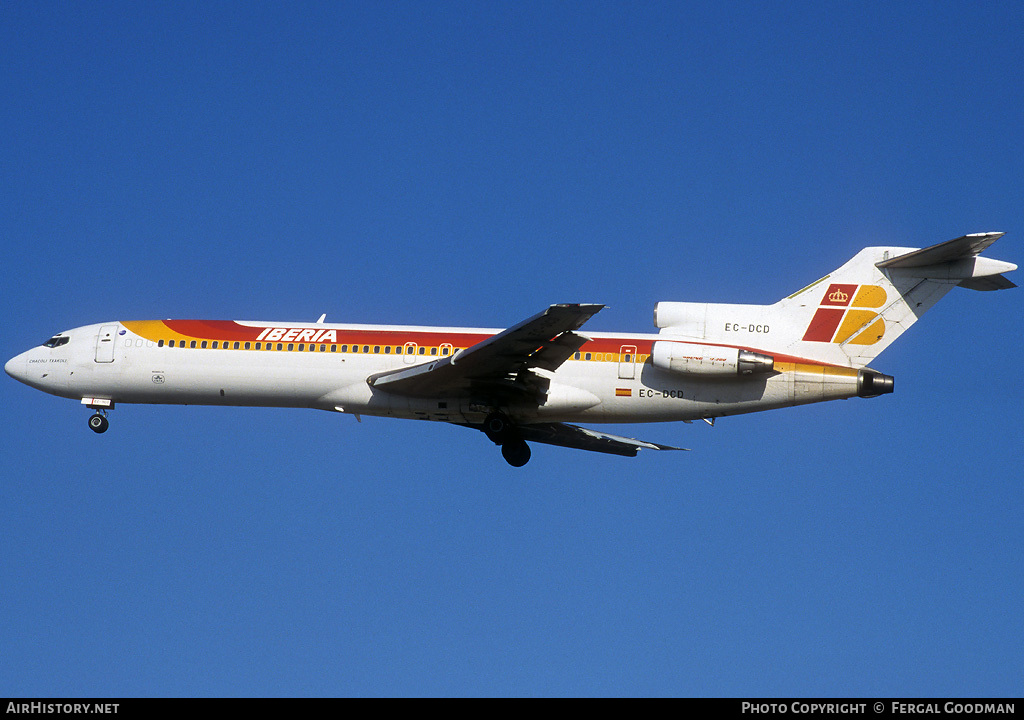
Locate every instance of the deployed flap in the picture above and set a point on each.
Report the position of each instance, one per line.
(546, 340)
(573, 436)
(961, 248)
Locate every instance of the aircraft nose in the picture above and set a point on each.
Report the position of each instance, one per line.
(15, 367)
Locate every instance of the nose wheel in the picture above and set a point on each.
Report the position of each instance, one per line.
(98, 423)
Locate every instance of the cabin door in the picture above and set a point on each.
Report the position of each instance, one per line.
(105, 344)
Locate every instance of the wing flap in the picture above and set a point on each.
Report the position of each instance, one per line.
(552, 355)
(581, 438)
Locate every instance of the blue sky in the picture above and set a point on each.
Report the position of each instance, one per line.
(469, 164)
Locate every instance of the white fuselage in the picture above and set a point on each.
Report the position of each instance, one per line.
(327, 366)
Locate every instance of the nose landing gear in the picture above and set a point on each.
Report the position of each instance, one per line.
(98, 423)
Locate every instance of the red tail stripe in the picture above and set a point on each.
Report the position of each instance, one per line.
(823, 325)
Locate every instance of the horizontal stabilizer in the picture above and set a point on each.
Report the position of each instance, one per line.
(961, 248)
(991, 282)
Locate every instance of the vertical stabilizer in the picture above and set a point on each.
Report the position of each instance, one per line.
(851, 315)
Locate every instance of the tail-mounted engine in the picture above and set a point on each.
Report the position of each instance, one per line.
(872, 384)
(695, 359)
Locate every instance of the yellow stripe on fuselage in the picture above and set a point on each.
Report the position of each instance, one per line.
(815, 369)
(154, 330)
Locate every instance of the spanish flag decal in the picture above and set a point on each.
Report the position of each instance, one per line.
(623, 392)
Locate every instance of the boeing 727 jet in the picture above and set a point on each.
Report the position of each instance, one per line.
(533, 381)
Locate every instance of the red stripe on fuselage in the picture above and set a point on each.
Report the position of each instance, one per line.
(229, 330)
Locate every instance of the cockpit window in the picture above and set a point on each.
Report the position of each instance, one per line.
(56, 341)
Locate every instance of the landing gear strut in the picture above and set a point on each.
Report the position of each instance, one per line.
(502, 432)
(98, 423)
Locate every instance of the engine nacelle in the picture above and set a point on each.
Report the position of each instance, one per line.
(566, 398)
(872, 384)
(695, 359)
(685, 318)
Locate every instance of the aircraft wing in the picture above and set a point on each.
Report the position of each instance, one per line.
(496, 365)
(573, 436)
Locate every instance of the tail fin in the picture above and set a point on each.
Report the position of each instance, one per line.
(851, 315)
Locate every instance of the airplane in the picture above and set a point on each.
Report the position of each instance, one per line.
(531, 382)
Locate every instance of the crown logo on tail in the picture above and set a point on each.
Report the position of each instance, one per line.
(840, 321)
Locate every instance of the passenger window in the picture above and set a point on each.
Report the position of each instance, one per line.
(192, 344)
(323, 348)
(280, 346)
(422, 349)
(587, 356)
(433, 351)
(366, 348)
(376, 349)
(334, 348)
(576, 356)
(355, 348)
(387, 349)
(398, 351)
(214, 344)
(160, 343)
(291, 346)
(302, 346)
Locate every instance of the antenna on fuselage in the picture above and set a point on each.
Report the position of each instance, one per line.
(321, 320)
